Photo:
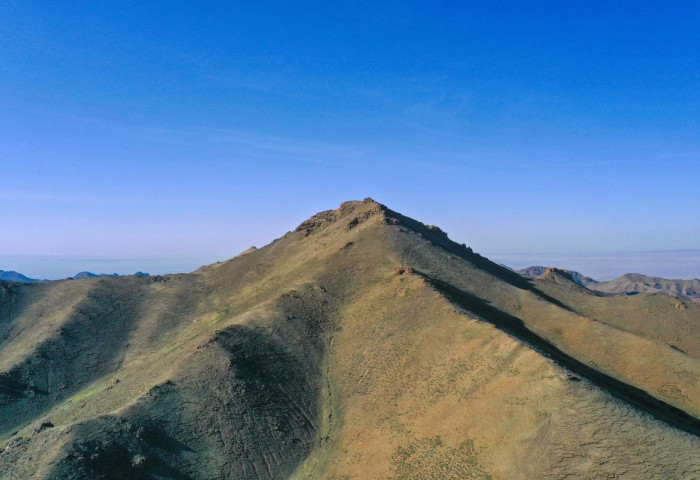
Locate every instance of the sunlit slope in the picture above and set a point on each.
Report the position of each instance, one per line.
(563, 314)
(649, 340)
(362, 345)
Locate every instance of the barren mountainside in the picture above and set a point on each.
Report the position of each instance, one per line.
(362, 345)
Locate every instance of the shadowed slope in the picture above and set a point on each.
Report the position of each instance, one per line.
(644, 361)
(68, 350)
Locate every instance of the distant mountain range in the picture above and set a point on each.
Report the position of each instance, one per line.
(80, 275)
(627, 284)
(13, 276)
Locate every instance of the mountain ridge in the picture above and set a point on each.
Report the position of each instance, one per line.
(363, 343)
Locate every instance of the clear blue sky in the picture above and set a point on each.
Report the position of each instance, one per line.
(178, 133)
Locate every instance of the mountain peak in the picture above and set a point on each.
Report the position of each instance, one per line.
(305, 356)
(358, 210)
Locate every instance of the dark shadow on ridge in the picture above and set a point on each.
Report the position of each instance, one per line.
(15, 298)
(113, 457)
(438, 237)
(240, 397)
(516, 328)
(90, 344)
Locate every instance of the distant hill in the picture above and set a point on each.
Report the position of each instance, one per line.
(80, 275)
(629, 284)
(537, 270)
(12, 276)
(634, 283)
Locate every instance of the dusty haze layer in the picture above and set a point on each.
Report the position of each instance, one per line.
(362, 345)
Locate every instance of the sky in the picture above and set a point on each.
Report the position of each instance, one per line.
(165, 135)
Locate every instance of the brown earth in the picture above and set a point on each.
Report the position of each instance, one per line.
(362, 345)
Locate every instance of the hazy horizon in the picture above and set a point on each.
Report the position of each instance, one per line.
(673, 264)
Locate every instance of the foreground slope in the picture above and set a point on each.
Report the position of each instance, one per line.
(362, 345)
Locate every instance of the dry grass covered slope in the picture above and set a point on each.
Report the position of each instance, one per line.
(362, 345)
